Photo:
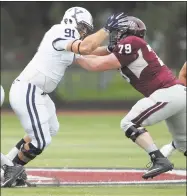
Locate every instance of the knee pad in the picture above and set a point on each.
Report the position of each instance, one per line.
(33, 151)
(30, 154)
(133, 132)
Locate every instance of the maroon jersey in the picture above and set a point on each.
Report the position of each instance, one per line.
(141, 67)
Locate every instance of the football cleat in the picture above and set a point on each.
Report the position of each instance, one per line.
(22, 181)
(11, 174)
(159, 166)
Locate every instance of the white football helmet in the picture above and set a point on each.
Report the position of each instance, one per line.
(80, 18)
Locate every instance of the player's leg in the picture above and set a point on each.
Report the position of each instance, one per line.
(30, 109)
(177, 127)
(53, 120)
(168, 149)
(53, 126)
(11, 172)
(12, 155)
(148, 111)
(5, 161)
(14, 151)
(133, 128)
(34, 118)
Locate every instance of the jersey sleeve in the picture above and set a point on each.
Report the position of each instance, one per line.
(126, 51)
(60, 44)
(64, 35)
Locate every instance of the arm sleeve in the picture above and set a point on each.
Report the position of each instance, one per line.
(126, 51)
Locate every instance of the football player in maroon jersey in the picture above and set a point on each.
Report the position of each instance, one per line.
(165, 95)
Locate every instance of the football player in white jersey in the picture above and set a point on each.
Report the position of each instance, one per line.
(28, 95)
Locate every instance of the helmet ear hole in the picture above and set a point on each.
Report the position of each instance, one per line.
(65, 20)
(70, 21)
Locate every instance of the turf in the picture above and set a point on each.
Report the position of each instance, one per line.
(91, 141)
(99, 191)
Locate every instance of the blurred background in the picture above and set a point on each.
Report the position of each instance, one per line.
(23, 25)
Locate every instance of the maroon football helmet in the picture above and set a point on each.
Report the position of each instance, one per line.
(131, 25)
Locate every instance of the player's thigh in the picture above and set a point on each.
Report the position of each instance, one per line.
(27, 102)
(18, 102)
(169, 102)
(31, 109)
(137, 113)
(165, 103)
(147, 112)
(177, 127)
(53, 120)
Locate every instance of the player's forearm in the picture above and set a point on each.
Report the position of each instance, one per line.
(88, 62)
(100, 51)
(89, 44)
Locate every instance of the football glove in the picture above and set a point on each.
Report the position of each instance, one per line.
(113, 22)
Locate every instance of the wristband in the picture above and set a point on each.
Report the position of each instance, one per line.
(79, 47)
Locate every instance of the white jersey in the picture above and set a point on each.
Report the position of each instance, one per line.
(49, 64)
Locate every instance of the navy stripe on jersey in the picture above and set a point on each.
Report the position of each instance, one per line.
(56, 40)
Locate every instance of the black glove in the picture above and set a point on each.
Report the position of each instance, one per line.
(112, 41)
(113, 21)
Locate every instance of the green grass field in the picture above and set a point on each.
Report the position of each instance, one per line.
(91, 141)
(99, 191)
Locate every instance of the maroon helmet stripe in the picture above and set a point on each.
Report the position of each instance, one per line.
(144, 115)
(145, 112)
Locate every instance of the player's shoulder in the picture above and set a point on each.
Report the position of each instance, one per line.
(134, 41)
(65, 30)
(57, 28)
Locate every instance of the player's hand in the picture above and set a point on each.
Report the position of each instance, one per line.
(113, 22)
